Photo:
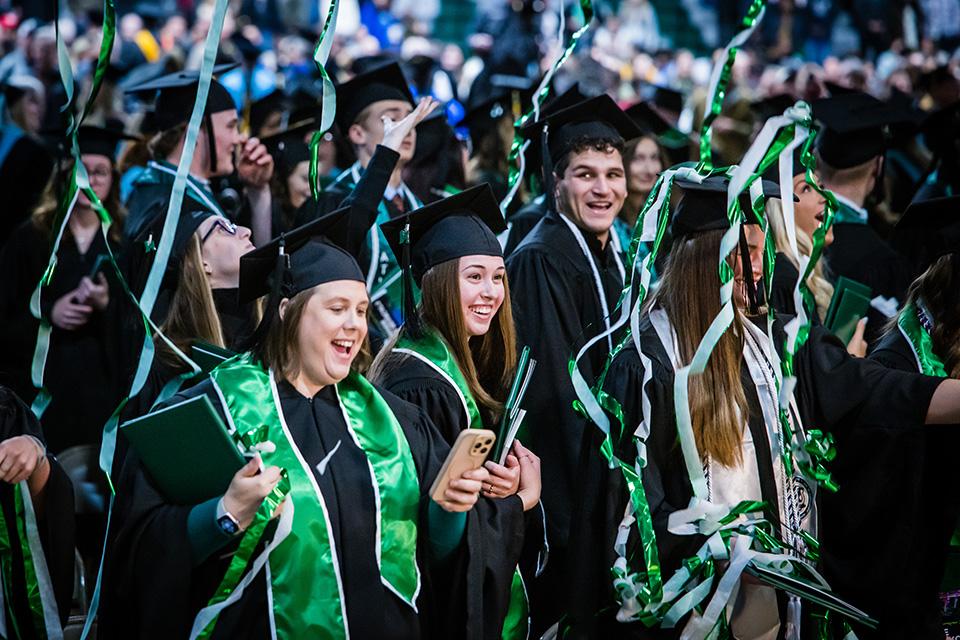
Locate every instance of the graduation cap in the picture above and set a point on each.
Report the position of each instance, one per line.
(772, 106)
(664, 98)
(703, 208)
(941, 129)
(175, 96)
(648, 119)
(595, 118)
(260, 109)
(300, 259)
(461, 225)
(482, 118)
(386, 82)
(836, 89)
(928, 230)
(288, 147)
(176, 92)
(101, 141)
(17, 86)
(857, 128)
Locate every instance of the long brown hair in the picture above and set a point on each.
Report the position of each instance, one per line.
(46, 210)
(192, 314)
(487, 362)
(689, 293)
(939, 289)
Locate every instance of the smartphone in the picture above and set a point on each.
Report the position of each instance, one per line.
(98, 265)
(469, 451)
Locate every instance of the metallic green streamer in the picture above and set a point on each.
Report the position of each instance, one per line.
(328, 96)
(518, 146)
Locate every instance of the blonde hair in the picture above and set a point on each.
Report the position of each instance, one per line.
(688, 293)
(45, 212)
(820, 287)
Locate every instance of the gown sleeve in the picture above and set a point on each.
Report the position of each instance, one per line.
(468, 592)
(840, 391)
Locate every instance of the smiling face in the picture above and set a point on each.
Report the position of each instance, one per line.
(332, 328)
(808, 213)
(221, 250)
(592, 189)
(645, 165)
(481, 291)
(755, 242)
(367, 132)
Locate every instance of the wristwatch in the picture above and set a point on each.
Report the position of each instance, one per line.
(226, 520)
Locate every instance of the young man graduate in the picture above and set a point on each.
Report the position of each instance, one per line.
(214, 155)
(851, 150)
(566, 278)
(376, 111)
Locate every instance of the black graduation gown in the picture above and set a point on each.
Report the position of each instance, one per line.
(150, 198)
(858, 252)
(785, 275)
(55, 524)
(418, 383)
(24, 173)
(155, 593)
(897, 477)
(82, 371)
(522, 223)
(557, 309)
(835, 392)
(238, 321)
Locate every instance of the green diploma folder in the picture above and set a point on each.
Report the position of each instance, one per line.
(186, 450)
(209, 356)
(850, 303)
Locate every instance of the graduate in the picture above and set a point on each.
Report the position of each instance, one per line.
(25, 162)
(81, 301)
(911, 468)
(455, 358)
(36, 506)
(850, 154)
(376, 111)
(358, 462)
(835, 392)
(221, 150)
(291, 176)
(200, 297)
(808, 211)
(566, 278)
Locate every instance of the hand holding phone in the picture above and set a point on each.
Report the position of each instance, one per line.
(462, 476)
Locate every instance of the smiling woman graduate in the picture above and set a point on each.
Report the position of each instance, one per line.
(367, 550)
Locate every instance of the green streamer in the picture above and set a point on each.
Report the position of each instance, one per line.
(328, 96)
(515, 158)
(721, 79)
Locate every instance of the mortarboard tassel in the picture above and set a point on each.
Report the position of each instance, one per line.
(753, 302)
(548, 182)
(411, 321)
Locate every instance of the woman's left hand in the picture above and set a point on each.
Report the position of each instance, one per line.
(96, 294)
(19, 457)
(504, 480)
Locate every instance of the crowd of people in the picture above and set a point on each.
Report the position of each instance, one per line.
(742, 402)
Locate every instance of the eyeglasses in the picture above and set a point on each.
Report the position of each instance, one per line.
(100, 173)
(220, 223)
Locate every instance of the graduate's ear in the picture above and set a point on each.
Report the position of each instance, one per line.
(283, 307)
(207, 269)
(357, 134)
